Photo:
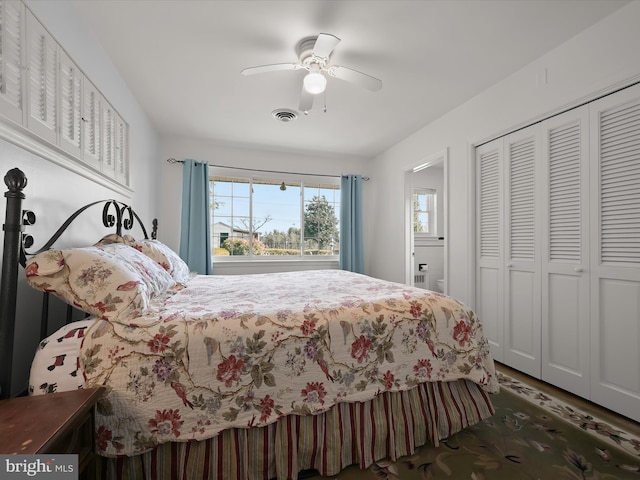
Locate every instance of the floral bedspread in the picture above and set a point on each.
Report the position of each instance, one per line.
(242, 351)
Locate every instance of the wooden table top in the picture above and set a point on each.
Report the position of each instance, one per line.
(28, 425)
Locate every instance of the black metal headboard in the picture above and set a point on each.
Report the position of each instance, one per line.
(16, 244)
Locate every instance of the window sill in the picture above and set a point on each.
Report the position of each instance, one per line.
(242, 266)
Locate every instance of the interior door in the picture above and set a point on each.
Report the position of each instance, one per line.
(522, 256)
(615, 251)
(565, 251)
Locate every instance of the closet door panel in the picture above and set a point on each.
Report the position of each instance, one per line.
(522, 336)
(565, 254)
(489, 308)
(522, 257)
(615, 252)
(490, 271)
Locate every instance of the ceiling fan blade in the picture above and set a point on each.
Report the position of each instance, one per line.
(270, 68)
(306, 100)
(355, 77)
(325, 43)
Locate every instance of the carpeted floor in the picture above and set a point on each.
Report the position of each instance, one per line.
(533, 435)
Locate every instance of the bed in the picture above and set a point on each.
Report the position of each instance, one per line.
(249, 376)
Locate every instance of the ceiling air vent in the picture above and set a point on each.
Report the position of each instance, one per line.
(284, 115)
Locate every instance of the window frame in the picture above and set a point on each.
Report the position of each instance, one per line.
(276, 178)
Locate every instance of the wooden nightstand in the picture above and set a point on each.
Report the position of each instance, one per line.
(54, 423)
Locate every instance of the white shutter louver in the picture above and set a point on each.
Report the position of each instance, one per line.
(490, 205)
(11, 32)
(91, 120)
(122, 173)
(522, 211)
(42, 53)
(71, 98)
(108, 164)
(620, 184)
(565, 210)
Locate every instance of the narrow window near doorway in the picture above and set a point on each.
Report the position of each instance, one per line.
(424, 212)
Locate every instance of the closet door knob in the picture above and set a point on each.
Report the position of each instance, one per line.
(509, 265)
(578, 269)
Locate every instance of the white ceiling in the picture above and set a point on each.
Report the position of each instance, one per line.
(182, 60)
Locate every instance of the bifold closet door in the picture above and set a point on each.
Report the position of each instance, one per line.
(522, 252)
(615, 251)
(564, 195)
(489, 243)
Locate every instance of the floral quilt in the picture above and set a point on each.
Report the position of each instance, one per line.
(242, 351)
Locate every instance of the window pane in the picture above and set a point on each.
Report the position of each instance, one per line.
(240, 207)
(276, 218)
(321, 210)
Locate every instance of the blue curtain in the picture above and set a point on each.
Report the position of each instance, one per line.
(195, 233)
(351, 243)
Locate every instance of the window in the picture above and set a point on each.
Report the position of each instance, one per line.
(424, 212)
(273, 218)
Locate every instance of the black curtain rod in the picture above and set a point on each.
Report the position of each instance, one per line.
(173, 160)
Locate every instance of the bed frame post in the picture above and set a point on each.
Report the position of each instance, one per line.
(16, 181)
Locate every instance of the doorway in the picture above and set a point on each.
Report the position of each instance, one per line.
(426, 252)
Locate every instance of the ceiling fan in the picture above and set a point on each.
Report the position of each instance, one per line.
(313, 56)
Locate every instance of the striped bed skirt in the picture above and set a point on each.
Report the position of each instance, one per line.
(390, 426)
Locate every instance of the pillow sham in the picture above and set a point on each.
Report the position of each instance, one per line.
(114, 282)
(165, 257)
(55, 364)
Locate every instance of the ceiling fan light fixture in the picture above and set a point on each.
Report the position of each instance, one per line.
(315, 82)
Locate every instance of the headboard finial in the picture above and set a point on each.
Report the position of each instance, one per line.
(16, 181)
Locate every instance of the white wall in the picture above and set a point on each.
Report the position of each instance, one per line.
(592, 62)
(206, 151)
(54, 192)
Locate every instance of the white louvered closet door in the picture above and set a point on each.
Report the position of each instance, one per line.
(12, 60)
(42, 59)
(615, 251)
(564, 194)
(489, 273)
(522, 256)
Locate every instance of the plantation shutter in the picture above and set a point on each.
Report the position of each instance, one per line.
(70, 105)
(490, 204)
(565, 209)
(91, 120)
(108, 158)
(42, 58)
(121, 149)
(620, 184)
(522, 202)
(11, 63)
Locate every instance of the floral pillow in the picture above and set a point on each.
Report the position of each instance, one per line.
(114, 282)
(165, 257)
